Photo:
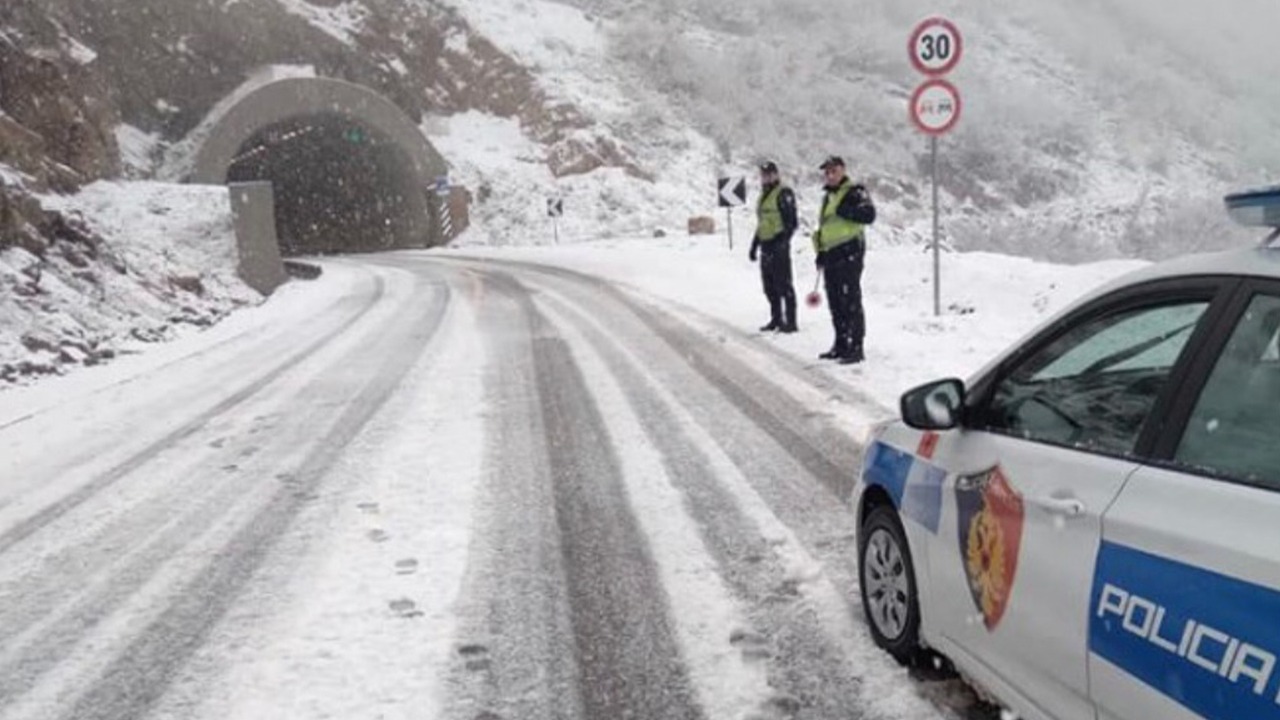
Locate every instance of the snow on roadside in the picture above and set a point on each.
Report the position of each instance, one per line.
(990, 300)
(132, 264)
(289, 305)
(157, 227)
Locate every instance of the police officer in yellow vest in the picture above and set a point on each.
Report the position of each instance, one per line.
(841, 246)
(776, 215)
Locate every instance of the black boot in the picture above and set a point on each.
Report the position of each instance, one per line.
(834, 353)
(789, 325)
(773, 325)
(853, 357)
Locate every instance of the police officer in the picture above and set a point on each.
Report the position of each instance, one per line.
(776, 223)
(841, 246)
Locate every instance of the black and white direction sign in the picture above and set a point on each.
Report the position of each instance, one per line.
(733, 191)
(936, 46)
(555, 207)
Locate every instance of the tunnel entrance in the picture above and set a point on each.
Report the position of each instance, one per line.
(339, 186)
(351, 172)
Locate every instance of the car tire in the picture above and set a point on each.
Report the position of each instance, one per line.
(887, 578)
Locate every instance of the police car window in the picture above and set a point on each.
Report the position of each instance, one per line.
(1235, 427)
(1126, 341)
(1094, 386)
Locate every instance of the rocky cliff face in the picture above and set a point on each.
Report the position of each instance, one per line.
(72, 70)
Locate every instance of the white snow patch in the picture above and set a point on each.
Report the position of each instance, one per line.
(139, 151)
(566, 51)
(183, 45)
(78, 51)
(457, 43)
(12, 177)
(343, 22)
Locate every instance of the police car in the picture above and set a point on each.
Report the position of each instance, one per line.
(1090, 528)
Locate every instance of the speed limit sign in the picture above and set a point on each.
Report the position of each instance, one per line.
(935, 107)
(936, 46)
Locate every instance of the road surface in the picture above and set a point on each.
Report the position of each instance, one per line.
(453, 489)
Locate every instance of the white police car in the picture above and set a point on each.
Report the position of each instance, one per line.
(1091, 527)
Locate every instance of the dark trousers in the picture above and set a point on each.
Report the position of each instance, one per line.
(775, 272)
(843, 273)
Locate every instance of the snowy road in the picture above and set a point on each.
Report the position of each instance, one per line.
(454, 489)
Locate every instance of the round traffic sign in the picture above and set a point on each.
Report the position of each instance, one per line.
(935, 107)
(936, 46)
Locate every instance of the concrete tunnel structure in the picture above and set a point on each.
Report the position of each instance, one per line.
(351, 172)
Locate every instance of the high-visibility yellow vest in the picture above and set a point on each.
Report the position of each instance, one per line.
(833, 230)
(769, 216)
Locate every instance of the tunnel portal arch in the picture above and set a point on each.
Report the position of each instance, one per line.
(262, 110)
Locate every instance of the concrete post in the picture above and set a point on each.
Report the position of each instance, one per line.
(254, 207)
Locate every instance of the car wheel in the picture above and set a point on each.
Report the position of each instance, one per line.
(888, 581)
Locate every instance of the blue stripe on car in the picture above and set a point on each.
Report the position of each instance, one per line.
(914, 485)
(888, 467)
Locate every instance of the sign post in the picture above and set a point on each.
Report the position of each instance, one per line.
(555, 210)
(733, 193)
(935, 49)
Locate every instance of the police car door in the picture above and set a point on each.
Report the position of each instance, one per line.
(1052, 436)
(1185, 613)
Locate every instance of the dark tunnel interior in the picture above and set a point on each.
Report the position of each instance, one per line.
(339, 186)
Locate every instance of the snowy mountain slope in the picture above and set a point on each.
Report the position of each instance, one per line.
(1090, 132)
(510, 174)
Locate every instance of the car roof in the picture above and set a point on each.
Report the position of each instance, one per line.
(1262, 262)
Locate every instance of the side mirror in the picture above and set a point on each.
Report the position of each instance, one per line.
(936, 406)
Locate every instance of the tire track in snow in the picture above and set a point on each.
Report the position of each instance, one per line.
(628, 659)
(515, 653)
(150, 515)
(337, 623)
(720, 648)
(139, 674)
(818, 557)
(29, 526)
(822, 662)
(585, 553)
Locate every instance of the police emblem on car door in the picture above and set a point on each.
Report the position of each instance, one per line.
(990, 518)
